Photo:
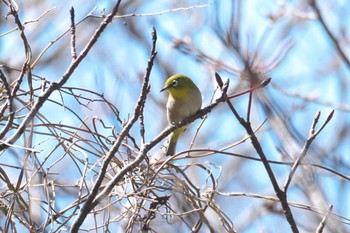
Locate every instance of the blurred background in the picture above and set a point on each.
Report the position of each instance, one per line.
(303, 46)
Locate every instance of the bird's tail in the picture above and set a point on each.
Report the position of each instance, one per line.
(174, 136)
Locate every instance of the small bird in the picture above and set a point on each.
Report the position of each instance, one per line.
(184, 100)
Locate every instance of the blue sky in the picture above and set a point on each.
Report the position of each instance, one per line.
(115, 66)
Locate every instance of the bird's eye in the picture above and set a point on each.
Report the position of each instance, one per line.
(174, 84)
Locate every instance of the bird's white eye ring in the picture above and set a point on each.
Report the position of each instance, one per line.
(174, 84)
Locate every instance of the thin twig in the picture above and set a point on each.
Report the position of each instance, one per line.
(72, 32)
(56, 85)
(311, 138)
(59, 37)
(28, 22)
(9, 106)
(324, 220)
(141, 117)
(96, 196)
(27, 48)
(162, 12)
(282, 196)
(146, 147)
(10, 95)
(298, 205)
(330, 34)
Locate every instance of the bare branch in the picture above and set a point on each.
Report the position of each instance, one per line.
(312, 136)
(56, 85)
(324, 220)
(330, 34)
(95, 196)
(72, 32)
(282, 196)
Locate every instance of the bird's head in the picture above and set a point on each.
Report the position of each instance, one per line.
(179, 86)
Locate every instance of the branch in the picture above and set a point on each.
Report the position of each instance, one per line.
(56, 85)
(324, 220)
(311, 138)
(28, 51)
(146, 147)
(282, 196)
(330, 34)
(60, 37)
(8, 105)
(93, 199)
(72, 32)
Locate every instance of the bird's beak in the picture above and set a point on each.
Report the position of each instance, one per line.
(164, 88)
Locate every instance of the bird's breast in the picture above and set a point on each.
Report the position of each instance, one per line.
(178, 110)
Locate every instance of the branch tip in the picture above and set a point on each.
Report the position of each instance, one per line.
(71, 10)
(218, 80)
(226, 85)
(314, 123)
(154, 33)
(265, 82)
(317, 115)
(330, 116)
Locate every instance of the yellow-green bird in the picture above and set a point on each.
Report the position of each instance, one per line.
(184, 100)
